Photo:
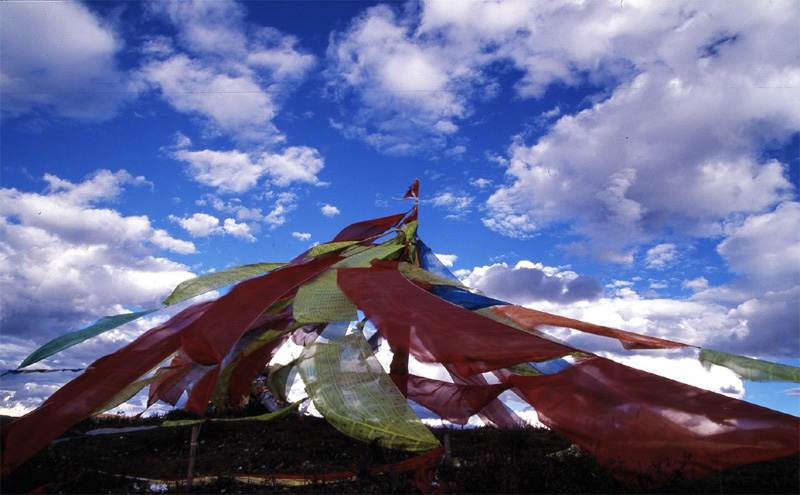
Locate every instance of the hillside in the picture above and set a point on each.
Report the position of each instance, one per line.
(484, 460)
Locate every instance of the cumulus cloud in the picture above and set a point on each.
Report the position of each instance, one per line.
(285, 203)
(233, 103)
(303, 236)
(236, 171)
(406, 87)
(620, 175)
(457, 204)
(447, 259)
(766, 248)
(204, 225)
(329, 211)
(529, 282)
(198, 225)
(60, 246)
(294, 164)
(59, 59)
(661, 256)
(225, 70)
(699, 283)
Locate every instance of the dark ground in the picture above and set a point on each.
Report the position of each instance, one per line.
(484, 460)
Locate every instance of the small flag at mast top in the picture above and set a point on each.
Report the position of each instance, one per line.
(413, 191)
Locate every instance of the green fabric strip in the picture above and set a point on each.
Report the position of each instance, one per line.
(751, 369)
(128, 392)
(350, 389)
(278, 379)
(206, 283)
(261, 417)
(524, 369)
(330, 247)
(66, 341)
(321, 300)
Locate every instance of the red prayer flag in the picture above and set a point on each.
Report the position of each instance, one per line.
(637, 422)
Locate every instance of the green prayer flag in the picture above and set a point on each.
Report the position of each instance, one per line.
(66, 341)
(751, 369)
(350, 389)
(206, 283)
(278, 379)
(321, 299)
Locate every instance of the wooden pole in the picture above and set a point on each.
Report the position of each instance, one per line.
(447, 457)
(192, 455)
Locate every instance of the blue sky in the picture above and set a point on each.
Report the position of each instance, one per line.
(633, 164)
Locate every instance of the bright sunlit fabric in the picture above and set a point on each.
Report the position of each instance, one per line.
(421, 276)
(279, 376)
(351, 390)
(321, 300)
(751, 369)
(206, 283)
(330, 247)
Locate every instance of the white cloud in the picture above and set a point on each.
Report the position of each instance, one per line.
(229, 171)
(616, 172)
(458, 204)
(229, 72)
(766, 246)
(407, 87)
(199, 224)
(233, 103)
(661, 256)
(303, 236)
(529, 282)
(447, 259)
(238, 230)
(687, 370)
(481, 183)
(294, 164)
(58, 248)
(284, 204)
(329, 211)
(207, 27)
(236, 171)
(699, 283)
(59, 57)
(204, 225)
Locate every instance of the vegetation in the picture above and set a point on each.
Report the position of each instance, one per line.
(483, 460)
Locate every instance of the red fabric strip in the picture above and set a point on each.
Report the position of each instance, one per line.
(208, 340)
(165, 388)
(249, 367)
(433, 330)
(368, 228)
(637, 422)
(531, 318)
(101, 381)
(453, 402)
(495, 412)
